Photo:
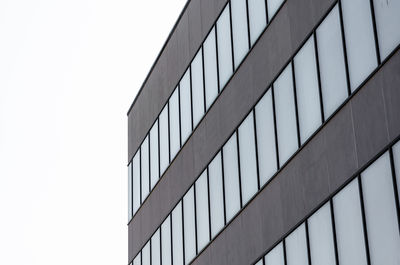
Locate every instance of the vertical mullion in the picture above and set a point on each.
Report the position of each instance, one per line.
(396, 196)
(344, 47)
(295, 105)
(232, 51)
(183, 231)
(132, 213)
(256, 148)
(275, 129)
(239, 174)
(284, 251)
(191, 98)
(172, 241)
(223, 185)
(216, 53)
(364, 220)
(179, 118)
(151, 258)
(209, 206)
(141, 257)
(378, 56)
(161, 255)
(248, 24)
(169, 136)
(140, 176)
(149, 163)
(334, 231)
(266, 12)
(321, 103)
(158, 150)
(204, 80)
(195, 218)
(308, 242)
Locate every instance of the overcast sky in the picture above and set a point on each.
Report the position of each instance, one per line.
(69, 70)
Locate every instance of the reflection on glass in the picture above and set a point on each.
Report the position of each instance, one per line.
(202, 222)
(164, 146)
(166, 241)
(285, 115)
(387, 23)
(266, 138)
(189, 225)
(331, 62)
(136, 181)
(307, 92)
(224, 47)
(174, 137)
(248, 166)
(185, 105)
(154, 171)
(360, 41)
(380, 212)
(155, 248)
(197, 88)
(216, 195)
(296, 247)
(275, 256)
(349, 226)
(210, 68)
(320, 234)
(239, 30)
(231, 177)
(177, 236)
(145, 168)
(257, 19)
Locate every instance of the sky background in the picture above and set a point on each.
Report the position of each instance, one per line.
(69, 71)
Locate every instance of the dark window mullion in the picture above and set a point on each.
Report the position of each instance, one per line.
(275, 129)
(191, 99)
(231, 27)
(364, 220)
(223, 185)
(295, 105)
(204, 80)
(334, 231)
(179, 117)
(396, 194)
(216, 53)
(183, 232)
(308, 243)
(256, 148)
(321, 102)
(378, 56)
(209, 206)
(344, 47)
(248, 25)
(195, 218)
(239, 174)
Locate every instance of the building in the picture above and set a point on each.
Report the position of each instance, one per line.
(266, 133)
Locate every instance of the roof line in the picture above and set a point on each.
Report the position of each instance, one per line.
(159, 55)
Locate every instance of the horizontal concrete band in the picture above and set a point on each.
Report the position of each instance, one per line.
(352, 138)
(282, 38)
(190, 32)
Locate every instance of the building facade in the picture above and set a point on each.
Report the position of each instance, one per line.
(266, 133)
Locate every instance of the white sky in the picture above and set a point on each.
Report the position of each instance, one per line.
(69, 70)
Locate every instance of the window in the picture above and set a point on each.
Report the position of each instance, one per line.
(231, 177)
(154, 170)
(296, 247)
(164, 136)
(166, 241)
(273, 6)
(138, 259)
(210, 68)
(224, 47)
(248, 160)
(307, 91)
(145, 168)
(320, 233)
(285, 115)
(202, 221)
(239, 30)
(349, 226)
(360, 41)
(216, 195)
(174, 137)
(146, 254)
(197, 88)
(186, 106)
(155, 248)
(331, 62)
(130, 191)
(396, 158)
(189, 226)
(266, 137)
(275, 256)
(177, 236)
(380, 212)
(136, 181)
(257, 19)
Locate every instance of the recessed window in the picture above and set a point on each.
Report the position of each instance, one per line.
(145, 168)
(273, 6)
(197, 88)
(189, 225)
(216, 195)
(296, 247)
(186, 106)
(154, 170)
(174, 137)
(166, 241)
(177, 235)
(130, 191)
(210, 68)
(275, 256)
(224, 47)
(202, 215)
(138, 259)
(239, 30)
(146, 254)
(136, 181)
(396, 158)
(257, 19)
(164, 136)
(155, 248)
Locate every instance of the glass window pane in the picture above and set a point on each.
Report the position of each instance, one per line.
(197, 88)
(138, 259)
(136, 181)
(210, 68)
(202, 222)
(216, 195)
(349, 226)
(166, 241)
(146, 254)
(296, 247)
(257, 19)
(360, 41)
(177, 235)
(189, 226)
(380, 212)
(331, 62)
(275, 256)
(145, 168)
(307, 92)
(266, 138)
(260, 262)
(186, 107)
(285, 115)
(224, 47)
(129, 191)
(154, 171)
(387, 24)
(396, 158)
(247, 154)
(273, 6)
(240, 35)
(174, 137)
(320, 234)
(231, 177)
(155, 248)
(164, 145)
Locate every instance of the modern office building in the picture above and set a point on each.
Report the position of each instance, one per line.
(266, 133)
